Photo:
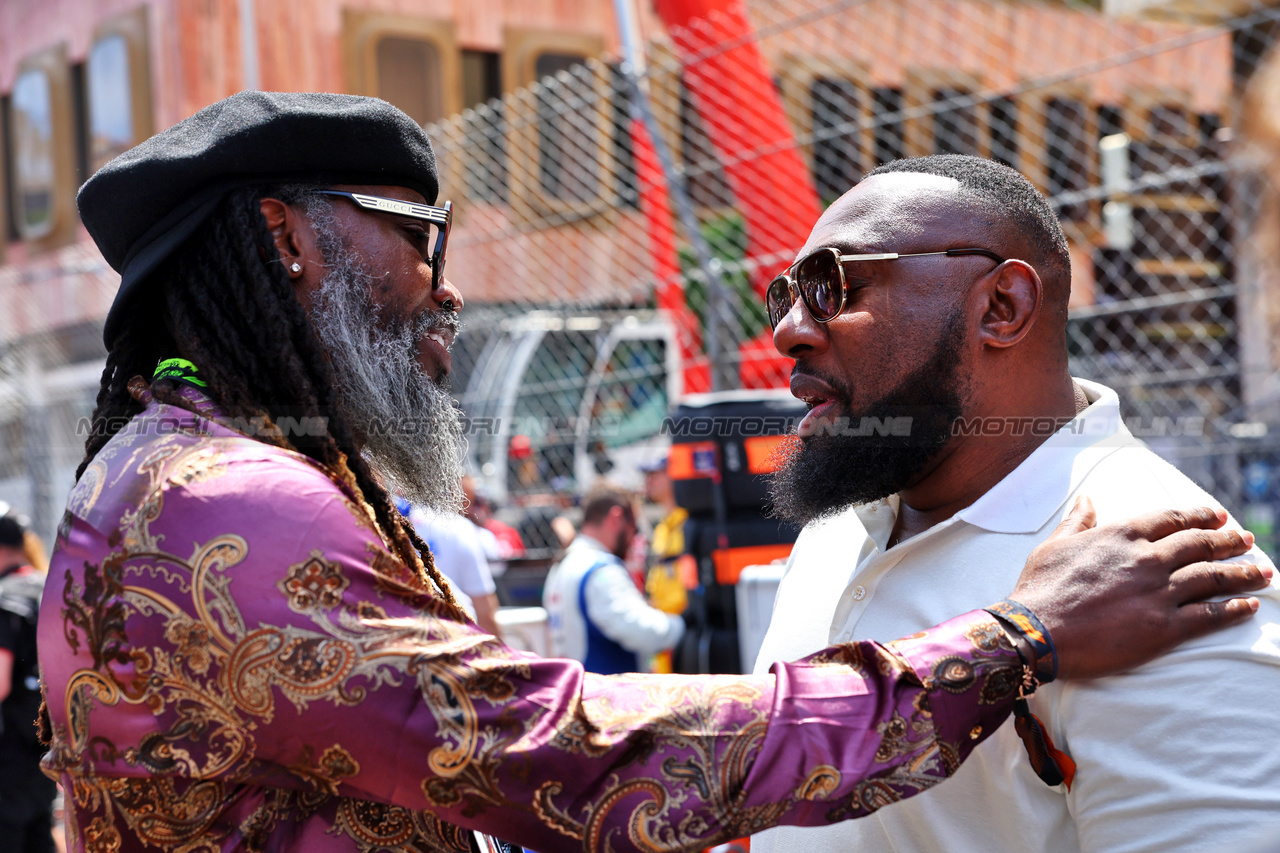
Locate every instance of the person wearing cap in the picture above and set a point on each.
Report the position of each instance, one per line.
(667, 581)
(26, 794)
(244, 645)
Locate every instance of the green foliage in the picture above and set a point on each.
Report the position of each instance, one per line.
(726, 235)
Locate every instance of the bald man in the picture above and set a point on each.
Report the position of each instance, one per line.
(945, 440)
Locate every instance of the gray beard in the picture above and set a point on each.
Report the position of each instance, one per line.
(410, 429)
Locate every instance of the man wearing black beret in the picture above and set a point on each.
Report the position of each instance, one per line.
(245, 646)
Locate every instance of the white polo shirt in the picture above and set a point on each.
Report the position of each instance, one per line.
(1181, 754)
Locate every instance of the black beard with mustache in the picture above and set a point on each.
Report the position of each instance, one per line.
(831, 470)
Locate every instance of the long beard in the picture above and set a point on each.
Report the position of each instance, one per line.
(856, 463)
(408, 424)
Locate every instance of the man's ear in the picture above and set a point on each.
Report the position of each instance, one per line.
(283, 222)
(1014, 294)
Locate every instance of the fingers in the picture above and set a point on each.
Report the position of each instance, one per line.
(1207, 580)
(1205, 617)
(1198, 545)
(1081, 517)
(1157, 525)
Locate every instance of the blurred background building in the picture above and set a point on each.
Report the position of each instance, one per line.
(617, 220)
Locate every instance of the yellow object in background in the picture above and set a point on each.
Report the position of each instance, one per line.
(665, 583)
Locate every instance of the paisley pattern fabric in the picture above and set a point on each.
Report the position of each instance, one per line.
(234, 660)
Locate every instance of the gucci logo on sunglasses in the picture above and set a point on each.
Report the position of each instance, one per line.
(441, 217)
(818, 279)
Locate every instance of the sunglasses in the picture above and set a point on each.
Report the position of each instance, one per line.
(818, 280)
(441, 217)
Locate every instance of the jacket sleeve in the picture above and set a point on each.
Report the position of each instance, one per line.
(278, 643)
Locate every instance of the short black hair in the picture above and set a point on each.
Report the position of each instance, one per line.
(1011, 199)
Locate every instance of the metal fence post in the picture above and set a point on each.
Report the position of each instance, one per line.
(720, 316)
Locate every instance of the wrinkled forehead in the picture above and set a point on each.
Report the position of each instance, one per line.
(894, 212)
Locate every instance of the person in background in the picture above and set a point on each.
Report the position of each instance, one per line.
(666, 583)
(522, 465)
(501, 541)
(26, 794)
(596, 613)
(460, 555)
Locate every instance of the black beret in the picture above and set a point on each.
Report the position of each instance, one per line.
(144, 204)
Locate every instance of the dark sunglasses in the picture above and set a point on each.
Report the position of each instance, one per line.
(818, 279)
(441, 217)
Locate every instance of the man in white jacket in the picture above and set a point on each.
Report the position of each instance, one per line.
(945, 440)
(596, 612)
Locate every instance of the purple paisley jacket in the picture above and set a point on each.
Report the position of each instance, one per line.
(233, 660)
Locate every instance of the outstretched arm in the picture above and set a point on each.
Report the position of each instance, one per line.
(333, 672)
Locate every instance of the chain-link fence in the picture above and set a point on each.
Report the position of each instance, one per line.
(619, 221)
(616, 224)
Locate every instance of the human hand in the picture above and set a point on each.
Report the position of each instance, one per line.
(1114, 597)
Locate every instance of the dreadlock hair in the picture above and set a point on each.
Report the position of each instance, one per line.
(224, 302)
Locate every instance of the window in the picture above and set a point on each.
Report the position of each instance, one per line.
(955, 122)
(946, 116)
(1004, 131)
(703, 169)
(626, 184)
(829, 103)
(1068, 152)
(41, 142)
(484, 128)
(1179, 226)
(631, 400)
(566, 127)
(36, 185)
(481, 77)
(1210, 124)
(838, 109)
(1170, 122)
(408, 75)
(560, 125)
(412, 62)
(1160, 117)
(547, 404)
(117, 89)
(1058, 135)
(888, 137)
(1110, 121)
(110, 109)
(80, 121)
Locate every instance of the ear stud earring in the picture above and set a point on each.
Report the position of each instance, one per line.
(296, 267)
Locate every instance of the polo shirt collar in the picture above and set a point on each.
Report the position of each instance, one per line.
(1036, 490)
